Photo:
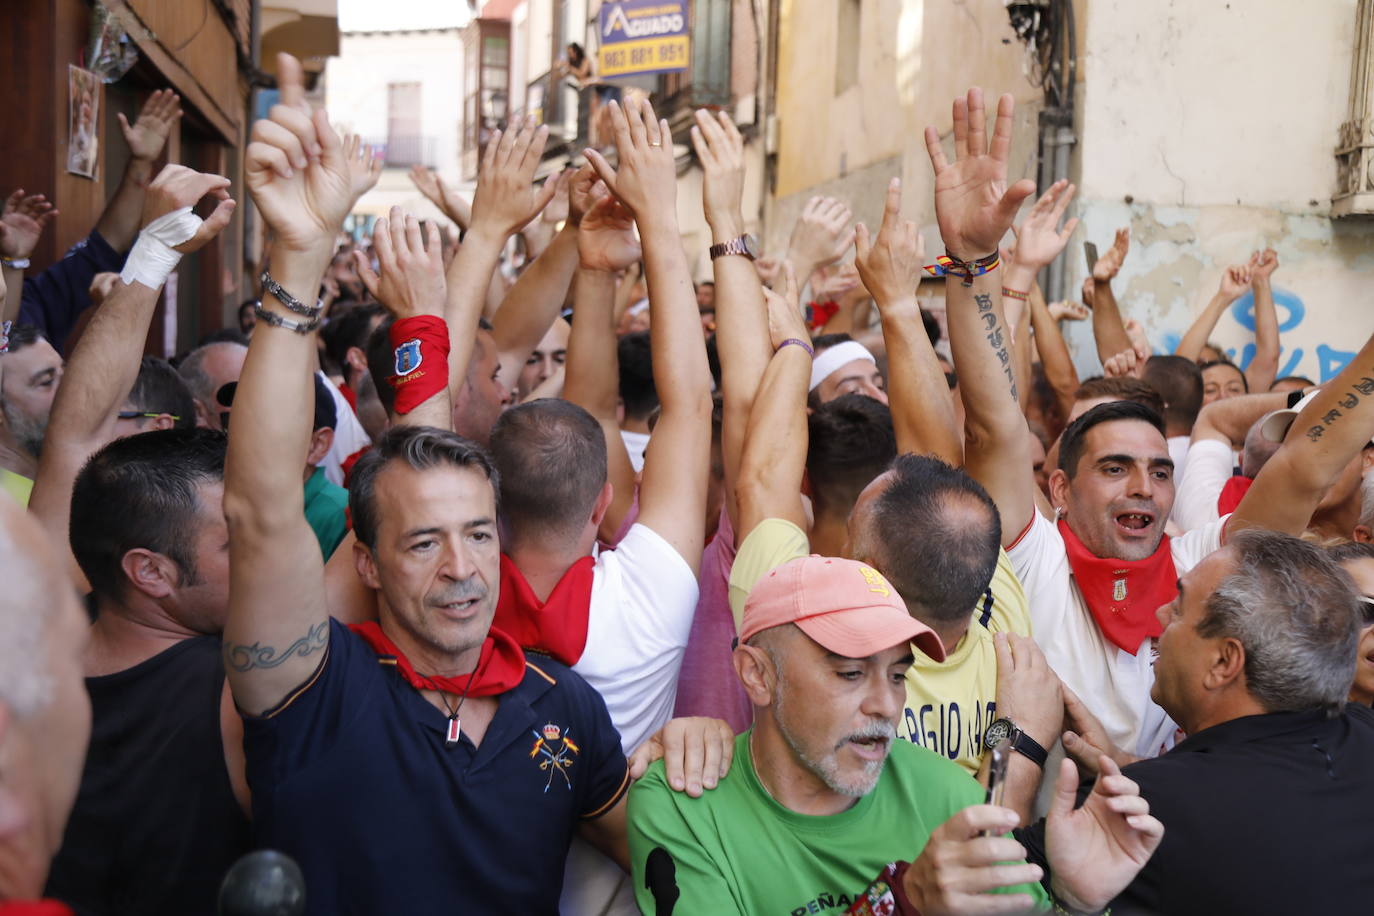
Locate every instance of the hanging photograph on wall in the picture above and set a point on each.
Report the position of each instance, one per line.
(83, 137)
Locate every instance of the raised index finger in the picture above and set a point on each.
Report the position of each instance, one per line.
(892, 207)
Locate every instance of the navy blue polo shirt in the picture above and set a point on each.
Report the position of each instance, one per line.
(351, 777)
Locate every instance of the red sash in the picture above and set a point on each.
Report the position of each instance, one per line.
(500, 667)
(556, 626)
(34, 908)
(1232, 493)
(1123, 595)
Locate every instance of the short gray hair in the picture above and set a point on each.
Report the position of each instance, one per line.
(1295, 612)
(192, 370)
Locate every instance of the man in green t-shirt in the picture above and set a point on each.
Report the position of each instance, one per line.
(822, 804)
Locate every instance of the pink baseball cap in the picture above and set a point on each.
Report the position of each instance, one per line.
(845, 606)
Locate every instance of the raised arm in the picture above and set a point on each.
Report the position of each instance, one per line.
(504, 202)
(533, 303)
(775, 446)
(606, 243)
(741, 316)
(821, 237)
(105, 364)
(22, 221)
(1235, 280)
(411, 287)
(974, 213)
(1264, 366)
(1109, 329)
(672, 492)
(1331, 430)
(449, 201)
(146, 137)
(1054, 352)
(891, 268)
(278, 628)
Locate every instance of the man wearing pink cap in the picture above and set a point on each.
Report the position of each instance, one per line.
(822, 806)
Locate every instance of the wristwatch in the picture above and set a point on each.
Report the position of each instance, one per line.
(747, 245)
(1020, 742)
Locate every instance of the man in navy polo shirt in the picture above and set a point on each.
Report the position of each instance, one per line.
(420, 763)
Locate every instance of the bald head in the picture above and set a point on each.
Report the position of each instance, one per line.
(207, 369)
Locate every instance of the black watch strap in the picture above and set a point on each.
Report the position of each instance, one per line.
(1028, 747)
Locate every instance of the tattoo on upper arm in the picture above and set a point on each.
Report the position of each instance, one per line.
(996, 338)
(245, 658)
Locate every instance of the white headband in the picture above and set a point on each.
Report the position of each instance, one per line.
(835, 357)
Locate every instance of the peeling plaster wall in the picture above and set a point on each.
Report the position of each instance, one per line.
(1208, 127)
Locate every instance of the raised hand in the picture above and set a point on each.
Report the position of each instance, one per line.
(176, 187)
(645, 178)
(785, 321)
(411, 281)
(890, 265)
(1028, 690)
(1109, 263)
(1235, 282)
(1126, 364)
(584, 190)
(720, 148)
(973, 205)
(834, 284)
(1087, 741)
(450, 202)
(1262, 265)
(606, 240)
(769, 270)
(148, 135)
(960, 864)
(1096, 850)
(506, 198)
(822, 235)
(1039, 238)
(557, 209)
(364, 165)
(1067, 310)
(296, 171)
(22, 222)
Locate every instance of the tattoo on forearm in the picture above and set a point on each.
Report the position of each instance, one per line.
(996, 338)
(1363, 388)
(245, 658)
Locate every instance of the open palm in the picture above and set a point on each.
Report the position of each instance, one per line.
(973, 205)
(606, 239)
(148, 134)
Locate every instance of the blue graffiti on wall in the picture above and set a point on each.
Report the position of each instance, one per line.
(1291, 311)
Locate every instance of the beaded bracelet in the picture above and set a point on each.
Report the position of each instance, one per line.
(946, 265)
(5, 336)
(291, 302)
(1014, 294)
(277, 321)
(797, 342)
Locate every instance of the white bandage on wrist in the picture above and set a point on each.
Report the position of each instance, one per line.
(829, 360)
(153, 257)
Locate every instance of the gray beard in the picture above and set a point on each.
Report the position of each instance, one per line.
(28, 432)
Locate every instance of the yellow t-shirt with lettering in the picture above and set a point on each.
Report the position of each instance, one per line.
(949, 704)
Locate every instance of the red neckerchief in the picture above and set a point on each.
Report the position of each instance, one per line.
(500, 667)
(1123, 595)
(349, 395)
(822, 312)
(34, 908)
(1232, 493)
(556, 626)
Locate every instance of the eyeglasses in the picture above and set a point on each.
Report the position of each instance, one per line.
(138, 414)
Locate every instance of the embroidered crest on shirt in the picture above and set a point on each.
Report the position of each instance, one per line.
(557, 751)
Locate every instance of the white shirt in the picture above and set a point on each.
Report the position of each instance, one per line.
(349, 435)
(644, 596)
(1210, 464)
(1178, 450)
(635, 444)
(1111, 682)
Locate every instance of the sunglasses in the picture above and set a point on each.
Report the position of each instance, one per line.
(138, 414)
(1367, 606)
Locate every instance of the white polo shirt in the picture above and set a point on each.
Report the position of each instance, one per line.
(644, 596)
(1112, 683)
(1211, 463)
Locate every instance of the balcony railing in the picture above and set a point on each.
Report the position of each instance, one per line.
(405, 151)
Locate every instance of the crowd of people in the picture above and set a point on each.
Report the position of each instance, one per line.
(532, 577)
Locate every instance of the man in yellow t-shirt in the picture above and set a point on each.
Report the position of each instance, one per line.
(933, 532)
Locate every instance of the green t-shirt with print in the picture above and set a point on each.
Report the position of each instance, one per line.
(736, 850)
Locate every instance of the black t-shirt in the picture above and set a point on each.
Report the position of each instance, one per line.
(1261, 814)
(156, 824)
(352, 778)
